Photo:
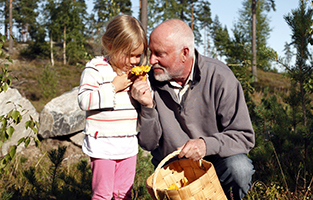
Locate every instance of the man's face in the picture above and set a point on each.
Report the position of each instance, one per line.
(164, 57)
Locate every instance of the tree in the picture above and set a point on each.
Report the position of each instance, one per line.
(66, 23)
(144, 13)
(25, 16)
(254, 37)
(195, 13)
(5, 13)
(300, 22)
(238, 48)
(51, 13)
(77, 32)
(220, 38)
(11, 28)
(106, 9)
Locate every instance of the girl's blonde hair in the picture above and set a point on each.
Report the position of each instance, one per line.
(123, 34)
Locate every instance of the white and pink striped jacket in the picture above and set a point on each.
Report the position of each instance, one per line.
(108, 114)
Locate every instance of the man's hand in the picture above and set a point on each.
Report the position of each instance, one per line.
(141, 92)
(194, 149)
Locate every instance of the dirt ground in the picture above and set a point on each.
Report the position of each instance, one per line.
(33, 154)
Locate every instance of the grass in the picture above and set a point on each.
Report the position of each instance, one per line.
(40, 83)
(51, 176)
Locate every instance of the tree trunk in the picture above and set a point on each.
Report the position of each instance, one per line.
(64, 45)
(144, 14)
(51, 50)
(305, 125)
(11, 31)
(6, 19)
(254, 68)
(192, 17)
(27, 38)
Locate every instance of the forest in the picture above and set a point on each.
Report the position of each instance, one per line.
(63, 35)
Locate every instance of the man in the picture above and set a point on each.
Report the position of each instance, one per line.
(196, 105)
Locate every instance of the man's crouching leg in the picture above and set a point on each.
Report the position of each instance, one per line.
(235, 174)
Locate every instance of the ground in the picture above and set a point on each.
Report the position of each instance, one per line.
(35, 154)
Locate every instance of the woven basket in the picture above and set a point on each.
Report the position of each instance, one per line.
(203, 182)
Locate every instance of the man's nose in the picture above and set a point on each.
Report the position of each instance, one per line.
(153, 59)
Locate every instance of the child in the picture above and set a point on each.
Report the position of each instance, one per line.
(111, 119)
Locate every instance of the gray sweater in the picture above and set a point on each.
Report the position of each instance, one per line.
(214, 109)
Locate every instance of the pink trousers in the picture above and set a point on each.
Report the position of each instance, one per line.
(113, 177)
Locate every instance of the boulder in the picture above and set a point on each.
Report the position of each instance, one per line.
(61, 116)
(78, 139)
(15, 98)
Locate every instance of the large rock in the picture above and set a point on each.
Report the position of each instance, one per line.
(16, 99)
(61, 116)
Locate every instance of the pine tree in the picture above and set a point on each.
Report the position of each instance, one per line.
(196, 14)
(300, 21)
(66, 22)
(25, 16)
(106, 9)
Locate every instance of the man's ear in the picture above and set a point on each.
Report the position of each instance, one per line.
(185, 54)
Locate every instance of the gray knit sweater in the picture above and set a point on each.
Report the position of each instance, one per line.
(214, 109)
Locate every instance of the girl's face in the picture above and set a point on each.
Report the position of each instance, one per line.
(126, 63)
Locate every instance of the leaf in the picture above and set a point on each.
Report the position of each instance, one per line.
(2, 165)
(20, 141)
(37, 142)
(1, 143)
(10, 130)
(35, 130)
(5, 87)
(27, 124)
(3, 38)
(12, 151)
(27, 142)
(15, 115)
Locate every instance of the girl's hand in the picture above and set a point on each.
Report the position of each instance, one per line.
(121, 82)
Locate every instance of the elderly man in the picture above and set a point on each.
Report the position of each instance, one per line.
(197, 105)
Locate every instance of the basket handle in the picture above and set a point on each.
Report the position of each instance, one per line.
(167, 158)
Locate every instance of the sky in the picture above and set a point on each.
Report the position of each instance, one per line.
(228, 13)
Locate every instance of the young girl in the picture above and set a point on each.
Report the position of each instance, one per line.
(111, 118)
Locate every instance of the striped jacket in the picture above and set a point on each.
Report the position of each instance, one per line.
(108, 114)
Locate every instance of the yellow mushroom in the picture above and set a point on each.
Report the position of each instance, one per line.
(173, 186)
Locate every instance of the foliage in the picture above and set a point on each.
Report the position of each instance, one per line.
(48, 82)
(25, 14)
(144, 169)
(38, 48)
(11, 119)
(55, 182)
(196, 14)
(106, 9)
(238, 49)
(274, 191)
(51, 178)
